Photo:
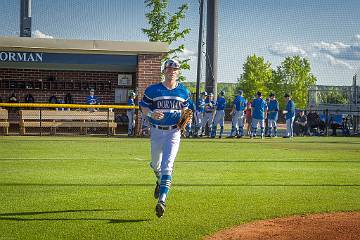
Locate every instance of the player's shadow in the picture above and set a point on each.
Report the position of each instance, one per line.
(15, 216)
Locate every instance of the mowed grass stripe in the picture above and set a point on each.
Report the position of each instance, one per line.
(102, 192)
(295, 160)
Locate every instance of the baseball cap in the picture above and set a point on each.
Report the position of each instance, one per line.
(211, 94)
(92, 90)
(204, 93)
(132, 94)
(222, 92)
(241, 92)
(172, 63)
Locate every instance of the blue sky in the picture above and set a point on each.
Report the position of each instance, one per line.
(327, 32)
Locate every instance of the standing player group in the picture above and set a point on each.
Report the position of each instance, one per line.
(258, 114)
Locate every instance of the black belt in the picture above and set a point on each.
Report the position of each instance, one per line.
(164, 127)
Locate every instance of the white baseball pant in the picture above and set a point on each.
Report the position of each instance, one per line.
(131, 123)
(208, 117)
(164, 147)
(290, 127)
(219, 118)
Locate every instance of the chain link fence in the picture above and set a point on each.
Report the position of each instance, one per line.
(337, 107)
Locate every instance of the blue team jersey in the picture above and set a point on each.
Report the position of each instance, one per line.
(92, 100)
(191, 105)
(168, 101)
(131, 102)
(220, 103)
(273, 109)
(290, 108)
(209, 105)
(259, 107)
(200, 107)
(240, 103)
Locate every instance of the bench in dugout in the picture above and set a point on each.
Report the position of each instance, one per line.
(67, 119)
(4, 121)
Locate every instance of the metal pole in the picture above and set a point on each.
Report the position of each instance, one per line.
(200, 41)
(25, 18)
(327, 122)
(355, 116)
(40, 121)
(108, 121)
(212, 46)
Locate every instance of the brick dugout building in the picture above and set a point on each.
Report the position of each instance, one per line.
(56, 67)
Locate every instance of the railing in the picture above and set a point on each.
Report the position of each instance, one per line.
(45, 118)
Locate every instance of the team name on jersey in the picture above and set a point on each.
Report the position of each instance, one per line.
(169, 104)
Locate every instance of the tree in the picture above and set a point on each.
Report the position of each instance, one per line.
(333, 96)
(294, 77)
(256, 77)
(165, 27)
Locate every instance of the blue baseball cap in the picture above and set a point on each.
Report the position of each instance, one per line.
(172, 63)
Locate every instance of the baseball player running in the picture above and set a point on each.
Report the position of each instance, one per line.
(199, 114)
(219, 115)
(258, 115)
(209, 113)
(163, 103)
(273, 112)
(238, 116)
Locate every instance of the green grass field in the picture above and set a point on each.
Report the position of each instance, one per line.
(102, 188)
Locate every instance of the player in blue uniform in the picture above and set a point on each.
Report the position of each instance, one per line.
(92, 100)
(209, 113)
(238, 116)
(130, 113)
(219, 115)
(199, 113)
(163, 103)
(258, 115)
(273, 113)
(189, 127)
(289, 116)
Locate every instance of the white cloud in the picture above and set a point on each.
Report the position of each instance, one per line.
(357, 38)
(187, 53)
(339, 50)
(38, 34)
(284, 50)
(336, 62)
(337, 54)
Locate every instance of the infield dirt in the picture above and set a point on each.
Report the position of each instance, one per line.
(329, 226)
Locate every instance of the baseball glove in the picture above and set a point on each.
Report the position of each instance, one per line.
(185, 118)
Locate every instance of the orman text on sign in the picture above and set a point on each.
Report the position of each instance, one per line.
(21, 57)
(68, 58)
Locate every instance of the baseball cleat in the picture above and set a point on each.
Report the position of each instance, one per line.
(157, 191)
(160, 209)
